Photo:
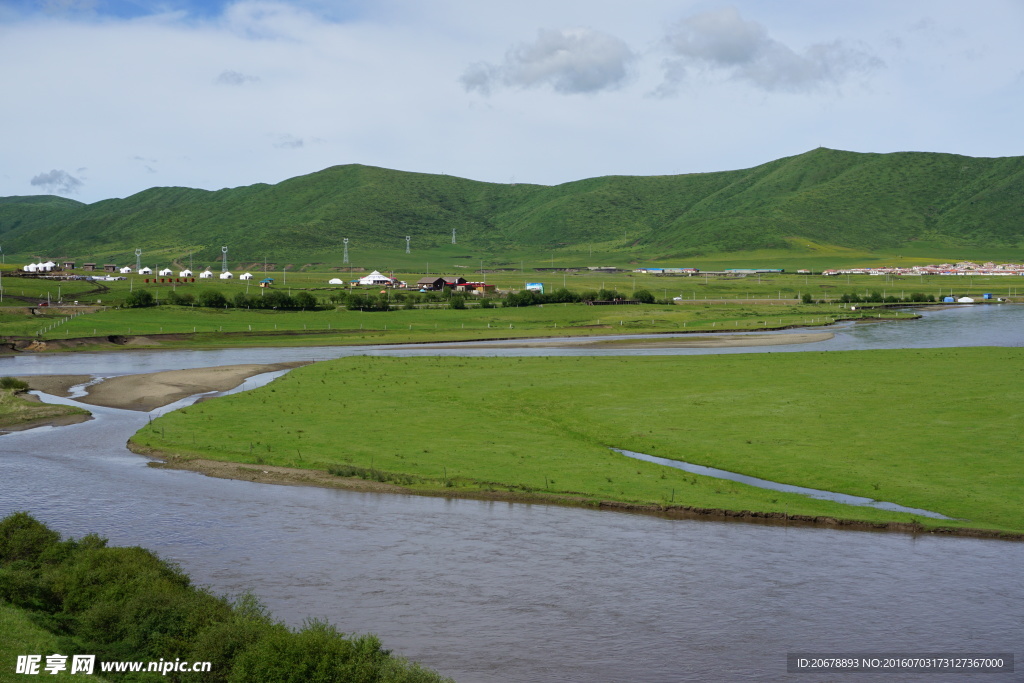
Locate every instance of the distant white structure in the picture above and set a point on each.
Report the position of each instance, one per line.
(335, 281)
(125, 270)
(165, 272)
(47, 267)
(226, 275)
(31, 268)
(185, 273)
(376, 278)
(206, 274)
(965, 300)
(245, 276)
(145, 270)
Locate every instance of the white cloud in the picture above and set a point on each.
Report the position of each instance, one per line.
(571, 61)
(57, 181)
(235, 78)
(723, 41)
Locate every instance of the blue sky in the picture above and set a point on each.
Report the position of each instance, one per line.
(105, 98)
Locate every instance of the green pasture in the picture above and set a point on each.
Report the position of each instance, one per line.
(935, 429)
(15, 410)
(237, 327)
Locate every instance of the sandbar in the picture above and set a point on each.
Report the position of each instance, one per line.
(147, 391)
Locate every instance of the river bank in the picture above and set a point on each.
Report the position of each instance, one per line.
(294, 476)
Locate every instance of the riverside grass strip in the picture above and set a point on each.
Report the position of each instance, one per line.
(935, 429)
(237, 327)
(16, 411)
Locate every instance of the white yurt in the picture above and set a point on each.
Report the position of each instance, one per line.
(205, 275)
(125, 270)
(336, 281)
(31, 268)
(185, 273)
(226, 275)
(145, 270)
(375, 278)
(166, 271)
(245, 276)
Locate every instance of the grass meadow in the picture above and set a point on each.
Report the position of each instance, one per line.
(236, 327)
(935, 429)
(15, 410)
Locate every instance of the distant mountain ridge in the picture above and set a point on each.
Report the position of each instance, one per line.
(847, 199)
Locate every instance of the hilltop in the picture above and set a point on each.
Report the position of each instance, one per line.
(859, 201)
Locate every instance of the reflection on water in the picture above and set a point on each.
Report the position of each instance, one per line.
(488, 591)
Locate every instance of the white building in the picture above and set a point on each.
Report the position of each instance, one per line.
(226, 275)
(185, 273)
(166, 271)
(245, 276)
(125, 270)
(376, 278)
(205, 275)
(335, 281)
(145, 270)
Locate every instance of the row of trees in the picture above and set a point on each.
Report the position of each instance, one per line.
(209, 298)
(877, 298)
(529, 297)
(125, 604)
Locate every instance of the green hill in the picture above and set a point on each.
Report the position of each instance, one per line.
(866, 202)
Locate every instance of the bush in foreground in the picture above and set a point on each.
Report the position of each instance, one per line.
(127, 604)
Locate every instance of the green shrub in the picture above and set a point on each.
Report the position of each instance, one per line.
(13, 384)
(139, 298)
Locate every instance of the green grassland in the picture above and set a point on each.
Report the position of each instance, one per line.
(934, 429)
(863, 203)
(746, 303)
(234, 327)
(15, 410)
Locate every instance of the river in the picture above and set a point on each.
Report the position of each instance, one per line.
(487, 591)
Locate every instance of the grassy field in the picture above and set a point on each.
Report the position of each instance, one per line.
(753, 302)
(935, 429)
(15, 410)
(246, 327)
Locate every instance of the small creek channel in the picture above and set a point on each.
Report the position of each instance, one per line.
(488, 591)
(776, 486)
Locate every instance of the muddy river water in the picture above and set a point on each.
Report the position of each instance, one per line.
(487, 591)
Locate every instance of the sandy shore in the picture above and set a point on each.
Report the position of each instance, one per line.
(709, 341)
(155, 389)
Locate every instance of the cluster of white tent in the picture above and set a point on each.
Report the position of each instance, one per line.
(39, 267)
(144, 270)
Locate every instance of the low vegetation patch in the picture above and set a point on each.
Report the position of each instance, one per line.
(15, 410)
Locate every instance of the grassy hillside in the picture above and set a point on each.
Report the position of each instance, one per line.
(866, 202)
